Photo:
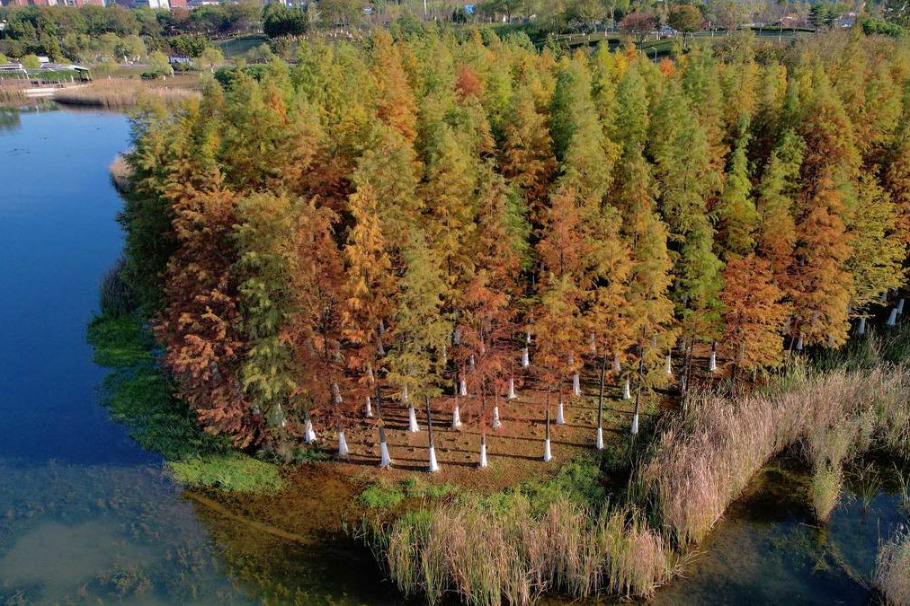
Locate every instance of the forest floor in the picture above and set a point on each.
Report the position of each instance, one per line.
(327, 496)
(311, 499)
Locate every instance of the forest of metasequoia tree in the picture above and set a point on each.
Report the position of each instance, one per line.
(454, 211)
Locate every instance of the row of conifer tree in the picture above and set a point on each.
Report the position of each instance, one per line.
(434, 209)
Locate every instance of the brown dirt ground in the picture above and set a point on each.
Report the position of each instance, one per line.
(319, 498)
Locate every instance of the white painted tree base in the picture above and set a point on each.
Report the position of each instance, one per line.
(892, 319)
(861, 329)
(576, 385)
(635, 424)
(497, 424)
(712, 366)
(483, 456)
(600, 438)
(309, 436)
(386, 460)
(668, 366)
(525, 358)
(512, 395)
(342, 445)
(799, 343)
(560, 417)
(547, 455)
(456, 418)
(626, 391)
(617, 366)
(463, 388)
(413, 427)
(434, 466)
(369, 408)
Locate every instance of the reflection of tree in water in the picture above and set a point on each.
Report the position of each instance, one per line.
(293, 569)
(9, 119)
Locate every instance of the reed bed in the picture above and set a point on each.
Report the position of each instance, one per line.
(514, 554)
(120, 93)
(510, 548)
(11, 94)
(892, 570)
(705, 458)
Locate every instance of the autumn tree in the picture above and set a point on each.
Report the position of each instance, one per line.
(822, 284)
(650, 311)
(421, 330)
(689, 184)
(877, 251)
(265, 237)
(753, 314)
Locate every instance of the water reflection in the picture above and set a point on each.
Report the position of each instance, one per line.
(769, 550)
(9, 119)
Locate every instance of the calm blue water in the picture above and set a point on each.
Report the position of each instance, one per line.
(87, 516)
(57, 238)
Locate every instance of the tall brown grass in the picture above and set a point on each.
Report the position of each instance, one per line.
(705, 458)
(11, 94)
(121, 93)
(490, 551)
(892, 570)
(510, 554)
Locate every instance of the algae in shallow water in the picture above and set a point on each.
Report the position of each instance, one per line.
(139, 396)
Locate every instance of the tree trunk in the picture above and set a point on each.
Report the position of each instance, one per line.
(600, 404)
(546, 444)
(434, 466)
(483, 426)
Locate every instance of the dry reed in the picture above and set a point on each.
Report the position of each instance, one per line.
(513, 556)
(705, 459)
(120, 171)
(490, 551)
(892, 570)
(121, 93)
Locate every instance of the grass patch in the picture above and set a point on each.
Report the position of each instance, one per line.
(239, 45)
(138, 395)
(235, 472)
(384, 494)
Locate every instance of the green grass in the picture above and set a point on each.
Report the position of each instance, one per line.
(233, 47)
(138, 395)
(384, 494)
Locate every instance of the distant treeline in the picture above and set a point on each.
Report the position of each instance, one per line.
(420, 210)
(71, 33)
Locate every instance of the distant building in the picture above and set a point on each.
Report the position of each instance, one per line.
(155, 4)
(177, 3)
(30, 2)
(791, 21)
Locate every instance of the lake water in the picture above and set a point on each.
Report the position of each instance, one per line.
(86, 516)
(85, 513)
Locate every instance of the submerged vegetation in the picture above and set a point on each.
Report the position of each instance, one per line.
(139, 396)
